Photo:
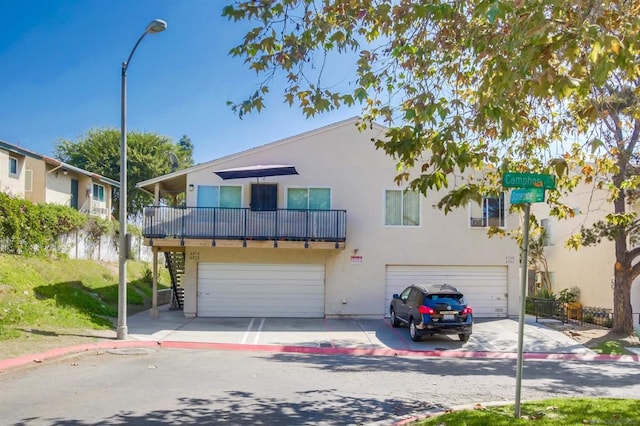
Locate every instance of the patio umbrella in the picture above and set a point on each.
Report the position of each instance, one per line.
(257, 171)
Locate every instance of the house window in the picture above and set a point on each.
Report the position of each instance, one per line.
(98, 192)
(547, 232)
(309, 198)
(402, 208)
(219, 196)
(13, 166)
(489, 213)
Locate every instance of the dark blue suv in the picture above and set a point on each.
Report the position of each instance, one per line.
(438, 309)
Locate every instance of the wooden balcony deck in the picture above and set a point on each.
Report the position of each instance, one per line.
(167, 227)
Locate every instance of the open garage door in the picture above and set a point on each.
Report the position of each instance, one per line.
(484, 287)
(260, 290)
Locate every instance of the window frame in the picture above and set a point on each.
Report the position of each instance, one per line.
(14, 162)
(403, 192)
(219, 197)
(101, 198)
(308, 190)
(485, 219)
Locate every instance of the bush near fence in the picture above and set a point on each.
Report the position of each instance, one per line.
(600, 317)
(548, 308)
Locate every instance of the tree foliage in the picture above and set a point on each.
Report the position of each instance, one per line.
(147, 157)
(186, 146)
(471, 89)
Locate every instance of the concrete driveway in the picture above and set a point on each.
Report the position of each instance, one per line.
(489, 335)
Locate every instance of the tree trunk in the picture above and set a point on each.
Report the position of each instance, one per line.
(623, 276)
(622, 310)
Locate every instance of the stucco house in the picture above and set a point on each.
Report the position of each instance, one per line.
(41, 179)
(588, 268)
(330, 235)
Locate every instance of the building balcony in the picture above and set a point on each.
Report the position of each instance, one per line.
(168, 227)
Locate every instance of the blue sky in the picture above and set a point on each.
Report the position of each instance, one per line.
(60, 75)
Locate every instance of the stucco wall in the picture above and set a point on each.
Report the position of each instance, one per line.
(38, 186)
(58, 188)
(346, 161)
(589, 268)
(11, 184)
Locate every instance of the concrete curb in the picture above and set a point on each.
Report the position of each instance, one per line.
(59, 352)
(426, 415)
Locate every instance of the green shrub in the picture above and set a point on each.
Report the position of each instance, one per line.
(34, 229)
(568, 295)
(543, 293)
(147, 275)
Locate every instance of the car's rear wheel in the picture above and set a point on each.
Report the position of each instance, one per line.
(413, 331)
(464, 337)
(394, 319)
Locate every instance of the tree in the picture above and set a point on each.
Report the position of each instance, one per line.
(186, 146)
(471, 89)
(147, 157)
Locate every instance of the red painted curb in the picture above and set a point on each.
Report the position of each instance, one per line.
(394, 352)
(58, 352)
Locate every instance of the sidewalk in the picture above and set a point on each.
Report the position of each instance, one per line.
(491, 338)
(489, 335)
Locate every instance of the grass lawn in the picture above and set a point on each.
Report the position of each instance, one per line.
(588, 411)
(64, 294)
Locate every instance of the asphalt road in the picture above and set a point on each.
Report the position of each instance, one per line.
(171, 386)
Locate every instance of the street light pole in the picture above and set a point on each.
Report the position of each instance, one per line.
(155, 26)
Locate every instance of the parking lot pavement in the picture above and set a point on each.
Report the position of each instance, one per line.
(489, 335)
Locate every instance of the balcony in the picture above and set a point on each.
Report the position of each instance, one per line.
(243, 227)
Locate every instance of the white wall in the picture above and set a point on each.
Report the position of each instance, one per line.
(58, 189)
(346, 161)
(9, 184)
(589, 268)
(78, 246)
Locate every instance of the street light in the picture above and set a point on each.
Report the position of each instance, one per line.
(155, 26)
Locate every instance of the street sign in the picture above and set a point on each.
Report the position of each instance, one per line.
(528, 180)
(527, 195)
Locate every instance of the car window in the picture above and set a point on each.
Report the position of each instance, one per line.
(447, 298)
(405, 294)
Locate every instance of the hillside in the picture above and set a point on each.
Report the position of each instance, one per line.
(45, 302)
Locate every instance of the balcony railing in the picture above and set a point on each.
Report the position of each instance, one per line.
(244, 224)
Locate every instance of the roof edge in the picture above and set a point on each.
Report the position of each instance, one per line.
(284, 141)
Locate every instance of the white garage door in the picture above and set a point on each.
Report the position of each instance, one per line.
(484, 287)
(260, 290)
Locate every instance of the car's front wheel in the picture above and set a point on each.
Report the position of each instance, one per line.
(464, 337)
(394, 319)
(413, 331)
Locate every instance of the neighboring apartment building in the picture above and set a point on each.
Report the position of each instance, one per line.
(337, 239)
(40, 179)
(588, 268)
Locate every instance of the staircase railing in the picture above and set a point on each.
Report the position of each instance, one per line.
(175, 265)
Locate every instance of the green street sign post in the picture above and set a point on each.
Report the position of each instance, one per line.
(528, 180)
(527, 195)
(530, 188)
